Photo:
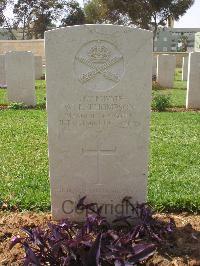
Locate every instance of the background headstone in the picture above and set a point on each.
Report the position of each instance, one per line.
(20, 76)
(193, 84)
(154, 66)
(2, 71)
(185, 68)
(166, 65)
(38, 67)
(98, 102)
(197, 42)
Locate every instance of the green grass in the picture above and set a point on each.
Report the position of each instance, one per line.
(177, 96)
(174, 176)
(41, 92)
(178, 93)
(3, 96)
(174, 168)
(24, 164)
(178, 83)
(40, 86)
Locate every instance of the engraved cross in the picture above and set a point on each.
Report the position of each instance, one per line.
(98, 152)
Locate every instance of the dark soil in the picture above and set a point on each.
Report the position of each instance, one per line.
(2, 106)
(182, 109)
(182, 249)
(178, 109)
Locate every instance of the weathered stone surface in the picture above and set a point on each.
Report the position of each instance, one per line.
(2, 71)
(185, 68)
(166, 66)
(154, 66)
(193, 84)
(197, 42)
(98, 101)
(38, 67)
(20, 75)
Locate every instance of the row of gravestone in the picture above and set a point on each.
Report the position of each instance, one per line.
(21, 67)
(99, 82)
(164, 69)
(18, 71)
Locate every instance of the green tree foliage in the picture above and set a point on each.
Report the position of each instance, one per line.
(97, 11)
(23, 13)
(34, 17)
(46, 12)
(2, 8)
(73, 14)
(6, 22)
(147, 14)
(184, 43)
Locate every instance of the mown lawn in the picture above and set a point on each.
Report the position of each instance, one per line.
(40, 86)
(174, 168)
(23, 159)
(178, 93)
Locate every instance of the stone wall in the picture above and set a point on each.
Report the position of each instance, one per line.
(35, 46)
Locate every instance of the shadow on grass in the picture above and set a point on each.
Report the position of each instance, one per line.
(176, 88)
(6, 106)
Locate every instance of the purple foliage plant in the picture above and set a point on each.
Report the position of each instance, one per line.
(129, 240)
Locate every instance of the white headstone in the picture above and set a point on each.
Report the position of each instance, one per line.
(197, 42)
(166, 65)
(98, 101)
(185, 68)
(20, 75)
(193, 84)
(38, 67)
(154, 66)
(2, 71)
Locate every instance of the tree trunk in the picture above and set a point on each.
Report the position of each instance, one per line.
(10, 29)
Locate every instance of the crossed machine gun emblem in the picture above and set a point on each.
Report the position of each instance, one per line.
(99, 60)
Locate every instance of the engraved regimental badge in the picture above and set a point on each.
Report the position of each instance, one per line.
(99, 65)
